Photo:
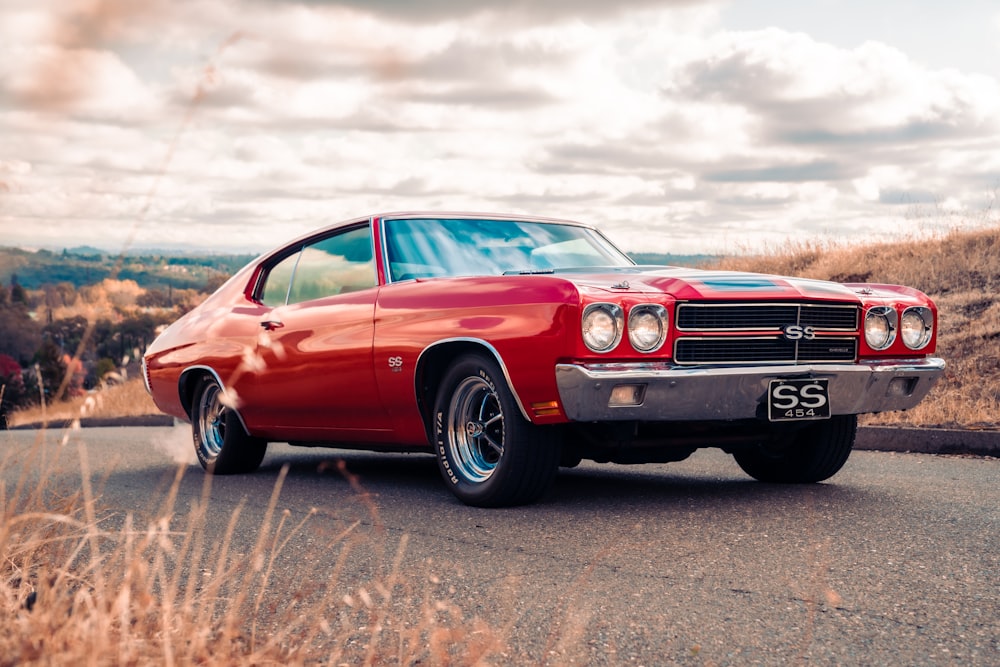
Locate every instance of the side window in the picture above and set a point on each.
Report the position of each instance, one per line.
(334, 265)
(278, 279)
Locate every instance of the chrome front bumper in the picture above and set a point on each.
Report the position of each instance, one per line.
(679, 393)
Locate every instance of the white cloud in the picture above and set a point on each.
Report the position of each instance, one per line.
(650, 119)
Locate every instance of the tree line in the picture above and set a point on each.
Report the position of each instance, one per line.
(59, 340)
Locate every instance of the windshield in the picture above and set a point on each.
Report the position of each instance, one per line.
(423, 248)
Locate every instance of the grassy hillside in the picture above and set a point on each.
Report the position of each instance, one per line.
(89, 266)
(961, 272)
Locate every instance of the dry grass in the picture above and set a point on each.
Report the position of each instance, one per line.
(125, 399)
(82, 585)
(960, 270)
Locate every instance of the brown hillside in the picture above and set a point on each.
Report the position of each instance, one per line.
(961, 272)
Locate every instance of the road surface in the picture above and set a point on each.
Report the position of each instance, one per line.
(894, 561)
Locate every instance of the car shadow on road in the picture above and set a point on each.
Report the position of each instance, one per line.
(415, 477)
(607, 486)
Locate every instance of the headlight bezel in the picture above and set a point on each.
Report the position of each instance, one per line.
(659, 314)
(884, 315)
(616, 319)
(926, 327)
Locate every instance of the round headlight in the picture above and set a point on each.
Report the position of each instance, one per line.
(916, 326)
(880, 327)
(647, 327)
(602, 326)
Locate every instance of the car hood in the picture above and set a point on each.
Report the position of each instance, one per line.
(695, 284)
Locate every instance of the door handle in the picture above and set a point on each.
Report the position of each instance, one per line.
(271, 325)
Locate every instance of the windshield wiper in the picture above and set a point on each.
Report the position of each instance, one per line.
(529, 272)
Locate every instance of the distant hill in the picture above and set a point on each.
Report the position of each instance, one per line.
(87, 266)
(666, 259)
(86, 250)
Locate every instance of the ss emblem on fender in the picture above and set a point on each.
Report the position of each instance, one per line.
(396, 364)
(796, 332)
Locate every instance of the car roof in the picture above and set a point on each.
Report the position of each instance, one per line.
(410, 215)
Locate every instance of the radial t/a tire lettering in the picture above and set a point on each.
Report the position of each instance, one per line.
(813, 454)
(222, 444)
(488, 453)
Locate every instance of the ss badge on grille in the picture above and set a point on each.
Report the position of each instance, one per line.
(796, 332)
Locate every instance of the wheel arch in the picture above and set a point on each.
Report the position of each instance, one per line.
(187, 384)
(433, 362)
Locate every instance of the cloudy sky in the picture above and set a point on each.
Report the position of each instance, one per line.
(674, 125)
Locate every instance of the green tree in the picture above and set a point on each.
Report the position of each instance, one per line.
(215, 280)
(67, 333)
(105, 366)
(51, 367)
(13, 394)
(20, 335)
(17, 293)
(137, 332)
(154, 298)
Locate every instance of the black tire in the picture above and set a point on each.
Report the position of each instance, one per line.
(222, 444)
(488, 453)
(813, 454)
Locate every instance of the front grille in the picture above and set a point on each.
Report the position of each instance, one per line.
(765, 316)
(775, 350)
(729, 350)
(755, 333)
(830, 318)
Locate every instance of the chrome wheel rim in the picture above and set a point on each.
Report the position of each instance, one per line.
(211, 422)
(475, 430)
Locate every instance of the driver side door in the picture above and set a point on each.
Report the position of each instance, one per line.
(315, 380)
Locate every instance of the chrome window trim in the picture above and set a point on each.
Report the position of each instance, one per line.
(447, 215)
(273, 259)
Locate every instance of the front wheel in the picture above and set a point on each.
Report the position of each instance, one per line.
(812, 454)
(222, 444)
(488, 453)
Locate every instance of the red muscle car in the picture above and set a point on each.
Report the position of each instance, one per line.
(508, 346)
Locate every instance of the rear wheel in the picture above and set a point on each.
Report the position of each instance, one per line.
(812, 454)
(488, 453)
(222, 444)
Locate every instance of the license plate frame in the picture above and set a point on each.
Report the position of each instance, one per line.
(798, 399)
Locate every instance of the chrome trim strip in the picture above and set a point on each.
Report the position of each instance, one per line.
(496, 356)
(384, 255)
(449, 215)
(145, 376)
(184, 373)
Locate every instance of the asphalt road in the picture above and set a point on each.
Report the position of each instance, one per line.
(894, 561)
